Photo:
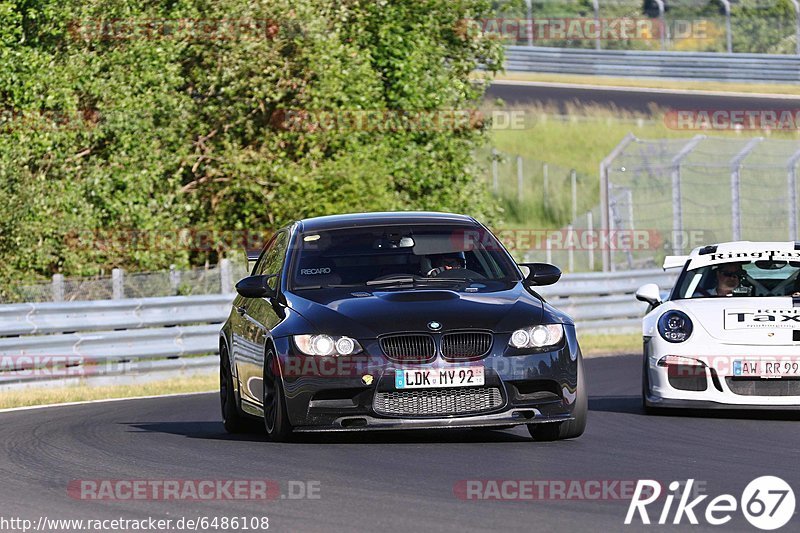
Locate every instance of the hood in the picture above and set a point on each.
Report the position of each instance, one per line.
(756, 321)
(368, 314)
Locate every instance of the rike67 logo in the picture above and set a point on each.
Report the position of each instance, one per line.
(767, 503)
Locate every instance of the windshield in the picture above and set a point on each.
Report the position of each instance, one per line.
(744, 278)
(381, 257)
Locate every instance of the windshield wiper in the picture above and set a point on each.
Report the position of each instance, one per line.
(415, 281)
(390, 281)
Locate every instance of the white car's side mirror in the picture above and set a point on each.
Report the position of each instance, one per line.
(649, 293)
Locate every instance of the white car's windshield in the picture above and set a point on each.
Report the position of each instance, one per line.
(742, 278)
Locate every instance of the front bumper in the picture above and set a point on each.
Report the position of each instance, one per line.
(340, 395)
(714, 386)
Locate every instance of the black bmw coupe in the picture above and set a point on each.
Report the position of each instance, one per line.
(403, 320)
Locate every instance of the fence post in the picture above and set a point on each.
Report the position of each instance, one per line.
(590, 229)
(520, 178)
(174, 279)
(605, 212)
(663, 29)
(545, 184)
(495, 176)
(736, 167)
(529, 21)
(796, 5)
(728, 32)
(677, 202)
(225, 276)
(117, 284)
(548, 251)
(573, 176)
(570, 249)
(596, 8)
(792, 193)
(57, 288)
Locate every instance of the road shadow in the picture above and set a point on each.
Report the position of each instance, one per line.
(633, 405)
(213, 430)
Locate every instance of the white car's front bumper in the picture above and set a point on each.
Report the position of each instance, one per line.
(714, 385)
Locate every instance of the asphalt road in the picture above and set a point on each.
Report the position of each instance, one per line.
(520, 94)
(385, 481)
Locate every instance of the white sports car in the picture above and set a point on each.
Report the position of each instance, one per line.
(728, 334)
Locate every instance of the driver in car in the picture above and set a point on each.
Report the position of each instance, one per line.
(729, 277)
(444, 262)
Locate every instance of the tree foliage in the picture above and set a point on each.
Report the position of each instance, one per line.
(122, 116)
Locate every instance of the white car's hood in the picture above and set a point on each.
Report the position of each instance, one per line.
(758, 321)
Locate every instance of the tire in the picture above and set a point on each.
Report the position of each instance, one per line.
(276, 418)
(573, 428)
(232, 418)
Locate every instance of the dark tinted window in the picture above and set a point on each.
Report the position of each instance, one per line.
(355, 256)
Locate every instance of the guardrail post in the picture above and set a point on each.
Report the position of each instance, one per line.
(225, 276)
(117, 284)
(57, 288)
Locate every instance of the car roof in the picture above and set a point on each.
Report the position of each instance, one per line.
(728, 252)
(351, 220)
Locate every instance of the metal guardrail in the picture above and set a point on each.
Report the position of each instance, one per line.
(46, 342)
(68, 340)
(711, 66)
(605, 302)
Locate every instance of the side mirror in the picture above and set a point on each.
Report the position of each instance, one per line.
(541, 273)
(256, 287)
(649, 293)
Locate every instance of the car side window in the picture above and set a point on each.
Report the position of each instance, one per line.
(272, 260)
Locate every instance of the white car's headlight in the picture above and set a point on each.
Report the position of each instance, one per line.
(537, 336)
(675, 326)
(326, 345)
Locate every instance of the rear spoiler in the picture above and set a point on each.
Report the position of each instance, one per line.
(675, 261)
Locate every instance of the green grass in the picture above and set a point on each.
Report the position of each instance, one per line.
(77, 393)
(595, 345)
(579, 138)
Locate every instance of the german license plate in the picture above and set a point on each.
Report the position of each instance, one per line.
(434, 378)
(766, 368)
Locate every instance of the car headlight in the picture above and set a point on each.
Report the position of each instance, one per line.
(537, 336)
(675, 326)
(326, 345)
